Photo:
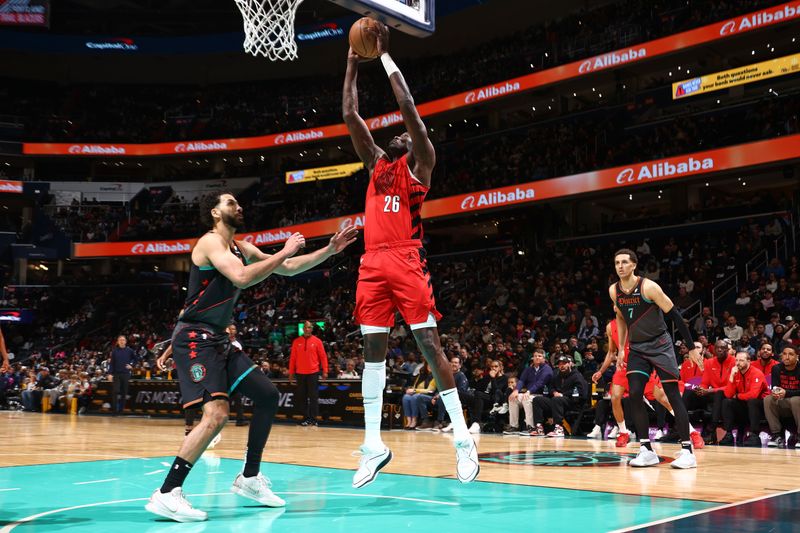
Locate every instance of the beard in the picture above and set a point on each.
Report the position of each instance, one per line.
(395, 150)
(235, 221)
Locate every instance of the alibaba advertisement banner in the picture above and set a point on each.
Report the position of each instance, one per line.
(661, 170)
(13, 187)
(323, 173)
(666, 45)
(737, 76)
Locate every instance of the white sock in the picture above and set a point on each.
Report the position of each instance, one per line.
(372, 385)
(622, 428)
(453, 405)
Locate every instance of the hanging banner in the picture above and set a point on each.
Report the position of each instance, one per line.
(661, 170)
(12, 187)
(765, 70)
(25, 13)
(634, 54)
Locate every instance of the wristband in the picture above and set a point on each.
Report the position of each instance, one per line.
(388, 64)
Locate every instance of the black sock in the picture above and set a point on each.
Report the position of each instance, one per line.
(252, 463)
(687, 446)
(177, 475)
(646, 444)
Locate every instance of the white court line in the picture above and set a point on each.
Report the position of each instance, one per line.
(11, 526)
(164, 463)
(154, 472)
(6, 490)
(96, 481)
(704, 511)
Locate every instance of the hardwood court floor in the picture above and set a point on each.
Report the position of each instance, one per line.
(725, 474)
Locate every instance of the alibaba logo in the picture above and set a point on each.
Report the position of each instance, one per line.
(248, 238)
(586, 66)
(728, 28)
(468, 202)
(180, 147)
(74, 149)
(470, 98)
(345, 222)
(137, 248)
(626, 176)
(280, 139)
(375, 123)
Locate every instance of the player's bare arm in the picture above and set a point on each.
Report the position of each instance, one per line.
(296, 265)
(5, 366)
(423, 156)
(653, 292)
(622, 326)
(611, 355)
(213, 250)
(362, 139)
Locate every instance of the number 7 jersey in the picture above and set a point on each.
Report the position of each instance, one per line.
(393, 209)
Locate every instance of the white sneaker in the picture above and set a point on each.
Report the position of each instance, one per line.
(174, 506)
(614, 433)
(369, 465)
(596, 433)
(214, 441)
(684, 459)
(475, 428)
(503, 409)
(467, 466)
(257, 488)
(645, 458)
(447, 429)
(658, 435)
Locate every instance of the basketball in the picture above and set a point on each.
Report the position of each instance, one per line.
(362, 41)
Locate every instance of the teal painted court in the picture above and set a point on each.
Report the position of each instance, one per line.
(106, 496)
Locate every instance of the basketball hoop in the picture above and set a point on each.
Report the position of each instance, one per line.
(269, 28)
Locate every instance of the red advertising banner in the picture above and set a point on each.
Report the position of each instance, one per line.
(13, 187)
(673, 43)
(24, 12)
(661, 170)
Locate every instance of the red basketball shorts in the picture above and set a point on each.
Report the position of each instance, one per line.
(394, 277)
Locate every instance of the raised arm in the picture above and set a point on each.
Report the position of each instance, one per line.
(296, 265)
(422, 152)
(360, 135)
(212, 249)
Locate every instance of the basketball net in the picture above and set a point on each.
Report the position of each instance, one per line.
(269, 28)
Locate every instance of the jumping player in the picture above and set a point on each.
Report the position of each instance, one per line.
(208, 370)
(653, 390)
(640, 305)
(394, 273)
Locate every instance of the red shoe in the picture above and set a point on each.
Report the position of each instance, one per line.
(697, 440)
(623, 439)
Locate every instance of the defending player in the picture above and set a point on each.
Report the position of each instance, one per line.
(640, 305)
(208, 370)
(394, 273)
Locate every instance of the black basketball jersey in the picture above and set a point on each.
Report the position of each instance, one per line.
(211, 296)
(644, 318)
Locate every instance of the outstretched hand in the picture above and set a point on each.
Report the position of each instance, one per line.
(381, 33)
(342, 239)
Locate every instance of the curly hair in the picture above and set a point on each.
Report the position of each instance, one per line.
(207, 203)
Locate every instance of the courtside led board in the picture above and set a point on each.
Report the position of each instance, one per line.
(416, 17)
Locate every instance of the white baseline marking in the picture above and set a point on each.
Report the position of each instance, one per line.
(97, 481)
(6, 490)
(154, 472)
(11, 526)
(704, 511)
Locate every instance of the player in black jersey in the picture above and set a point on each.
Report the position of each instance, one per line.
(640, 305)
(208, 369)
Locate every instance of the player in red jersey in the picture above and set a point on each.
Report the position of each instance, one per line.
(394, 275)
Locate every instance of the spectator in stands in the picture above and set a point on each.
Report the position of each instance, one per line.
(743, 344)
(350, 371)
(744, 402)
(37, 384)
(700, 325)
(765, 360)
(532, 383)
(733, 331)
(306, 360)
(784, 400)
(568, 391)
(711, 391)
(121, 363)
(419, 397)
(467, 397)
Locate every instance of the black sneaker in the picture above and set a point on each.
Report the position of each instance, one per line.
(776, 441)
(753, 441)
(510, 430)
(305, 423)
(242, 423)
(313, 423)
(727, 440)
(671, 436)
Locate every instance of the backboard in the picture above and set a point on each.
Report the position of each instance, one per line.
(415, 17)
